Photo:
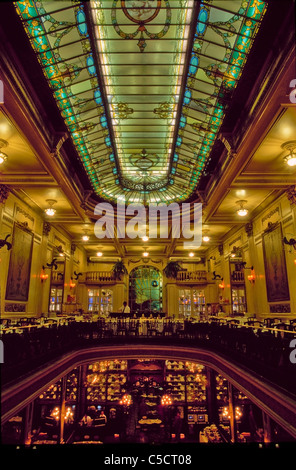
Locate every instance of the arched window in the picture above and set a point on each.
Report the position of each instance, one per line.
(145, 289)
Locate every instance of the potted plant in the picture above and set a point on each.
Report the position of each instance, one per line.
(172, 269)
(119, 269)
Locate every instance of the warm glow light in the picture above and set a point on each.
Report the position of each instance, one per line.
(50, 211)
(295, 260)
(166, 400)
(221, 285)
(126, 400)
(85, 238)
(43, 276)
(242, 212)
(145, 238)
(191, 254)
(99, 253)
(145, 253)
(206, 238)
(291, 159)
(3, 157)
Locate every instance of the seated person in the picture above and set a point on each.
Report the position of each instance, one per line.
(86, 420)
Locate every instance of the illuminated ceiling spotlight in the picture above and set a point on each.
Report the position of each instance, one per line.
(290, 159)
(50, 210)
(99, 253)
(191, 254)
(3, 156)
(206, 238)
(85, 237)
(242, 211)
(145, 238)
(145, 254)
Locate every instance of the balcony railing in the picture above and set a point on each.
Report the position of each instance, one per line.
(192, 276)
(99, 277)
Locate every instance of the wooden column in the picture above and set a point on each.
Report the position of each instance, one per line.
(62, 409)
(232, 412)
(28, 418)
(213, 412)
(266, 427)
(81, 393)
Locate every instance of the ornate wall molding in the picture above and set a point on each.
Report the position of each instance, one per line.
(249, 229)
(4, 193)
(46, 228)
(291, 194)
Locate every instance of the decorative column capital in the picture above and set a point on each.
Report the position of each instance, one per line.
(249, 229)
(291, 194)
(46, 228)
(4, 193)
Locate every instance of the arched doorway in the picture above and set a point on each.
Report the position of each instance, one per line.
(145, 289)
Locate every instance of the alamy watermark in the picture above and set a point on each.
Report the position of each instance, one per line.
(1, 352)
(1, 92)
(131, 221)
(293, 92)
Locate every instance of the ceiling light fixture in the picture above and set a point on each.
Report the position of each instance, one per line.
(291, 158)
(145, 238)
(3, 156)
(191, 254)
(85, 237)
(145, 253)
(99, 253)
(50, 210)
(206, 238)
(242, 211)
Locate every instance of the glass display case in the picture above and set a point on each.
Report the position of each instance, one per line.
(191, 303)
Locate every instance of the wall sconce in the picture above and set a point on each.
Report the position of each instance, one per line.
(72, 284)
(216, 276)
(43, 275)
(4, 242)
(3, 156)
(291, 242)
(251, 277)
(221, 285)
(51, 265)
(77, 275)
(50, 210)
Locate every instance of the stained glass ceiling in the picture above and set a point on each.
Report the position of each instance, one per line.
(143, 86)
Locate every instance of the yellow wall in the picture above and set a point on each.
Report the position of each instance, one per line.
(252, 252)
(15, 210)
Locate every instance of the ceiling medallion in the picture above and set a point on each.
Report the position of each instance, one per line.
(141, 13)
(142, 160)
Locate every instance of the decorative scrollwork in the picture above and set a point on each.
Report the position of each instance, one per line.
(141, 12)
